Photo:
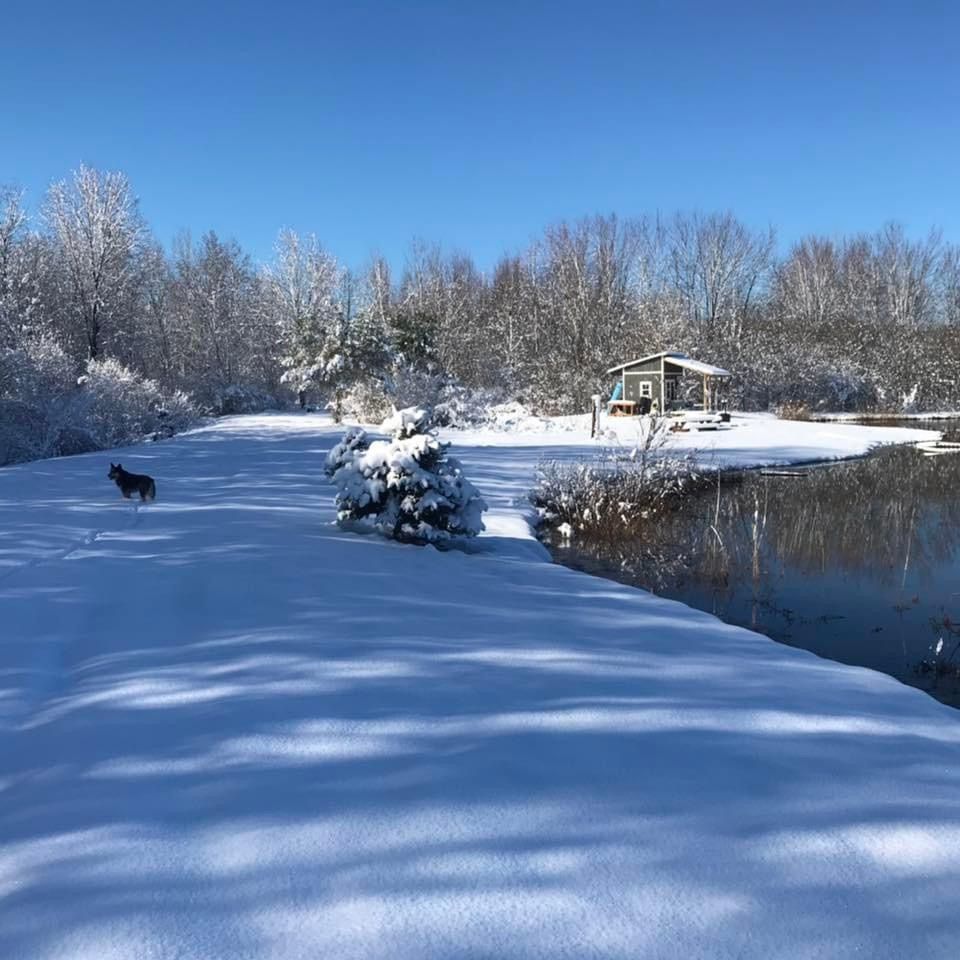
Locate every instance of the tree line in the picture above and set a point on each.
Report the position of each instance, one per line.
(864, 322)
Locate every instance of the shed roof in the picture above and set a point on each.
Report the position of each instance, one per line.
(678, 360)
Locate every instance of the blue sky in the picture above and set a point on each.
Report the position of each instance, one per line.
(477, 124)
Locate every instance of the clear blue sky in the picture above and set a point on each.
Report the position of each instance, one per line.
(475, 124)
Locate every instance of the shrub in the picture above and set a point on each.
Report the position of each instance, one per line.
(37, 402)
(844, 387)
(236, 398)
(119, 406)
(46, 411)
(793, 410)
(612, 495)
(177, 412)
(460, 407)
(406, 488)
(414, 385)
(366, 401)
(448, 404)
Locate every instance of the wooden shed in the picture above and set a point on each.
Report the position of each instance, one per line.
(656, 379)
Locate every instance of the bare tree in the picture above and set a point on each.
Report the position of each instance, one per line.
(221, 334)
(98, 229)
(13, 220)
(809, 291)
(719, 267)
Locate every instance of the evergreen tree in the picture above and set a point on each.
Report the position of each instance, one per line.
(407, 488)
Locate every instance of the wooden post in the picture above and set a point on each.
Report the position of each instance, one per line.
(706, 394)
(595, 415)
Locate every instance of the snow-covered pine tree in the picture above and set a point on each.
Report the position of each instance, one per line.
(406, 488)
(354, 440)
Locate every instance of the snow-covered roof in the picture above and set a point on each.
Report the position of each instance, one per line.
(698, 366)
(678, 360)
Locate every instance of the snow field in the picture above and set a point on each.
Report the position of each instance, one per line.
(232, 730)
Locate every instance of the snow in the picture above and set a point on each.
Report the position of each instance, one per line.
(751, 439)
(698, 366)
(232, 730)
(678, 360)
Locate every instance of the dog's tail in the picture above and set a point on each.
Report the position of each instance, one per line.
(151, 493)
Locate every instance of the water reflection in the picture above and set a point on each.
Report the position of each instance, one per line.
(858, 562)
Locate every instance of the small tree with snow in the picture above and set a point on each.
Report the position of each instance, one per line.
(406, 488)
(354, 441)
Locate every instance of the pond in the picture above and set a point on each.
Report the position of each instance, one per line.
(857, 561)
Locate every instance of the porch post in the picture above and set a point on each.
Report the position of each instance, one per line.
(706, 393)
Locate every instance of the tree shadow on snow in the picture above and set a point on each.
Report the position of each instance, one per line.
(233, 728)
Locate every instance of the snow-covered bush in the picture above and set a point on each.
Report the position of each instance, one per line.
(117, 405)
(512, 415)
(414, 385)
(406, 488)
(652, 435)
(237, 398)
(612, 496)
(45, 410)
(366, 401)
(462, 407)
(793, 410)
(447, 404)
(177, 412)
(842, 386)
(37, 403)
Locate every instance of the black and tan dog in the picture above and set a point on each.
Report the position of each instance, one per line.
(130, 483)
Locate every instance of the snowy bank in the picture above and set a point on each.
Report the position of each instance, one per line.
(922, 416)
(506, 462)
(232, 730)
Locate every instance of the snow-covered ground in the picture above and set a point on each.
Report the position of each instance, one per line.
(506, 458)
(231, 730)
(749, 440)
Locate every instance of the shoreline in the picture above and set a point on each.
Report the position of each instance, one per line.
(863, 418)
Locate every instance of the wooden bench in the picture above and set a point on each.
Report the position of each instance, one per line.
(622, 408)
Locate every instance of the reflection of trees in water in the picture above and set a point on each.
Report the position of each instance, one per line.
(894, 514)
(894, 511)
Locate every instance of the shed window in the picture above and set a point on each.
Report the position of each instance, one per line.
(645, 390)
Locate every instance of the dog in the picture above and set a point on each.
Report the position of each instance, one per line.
(130, 483)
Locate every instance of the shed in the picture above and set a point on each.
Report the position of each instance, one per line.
(657, 378)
